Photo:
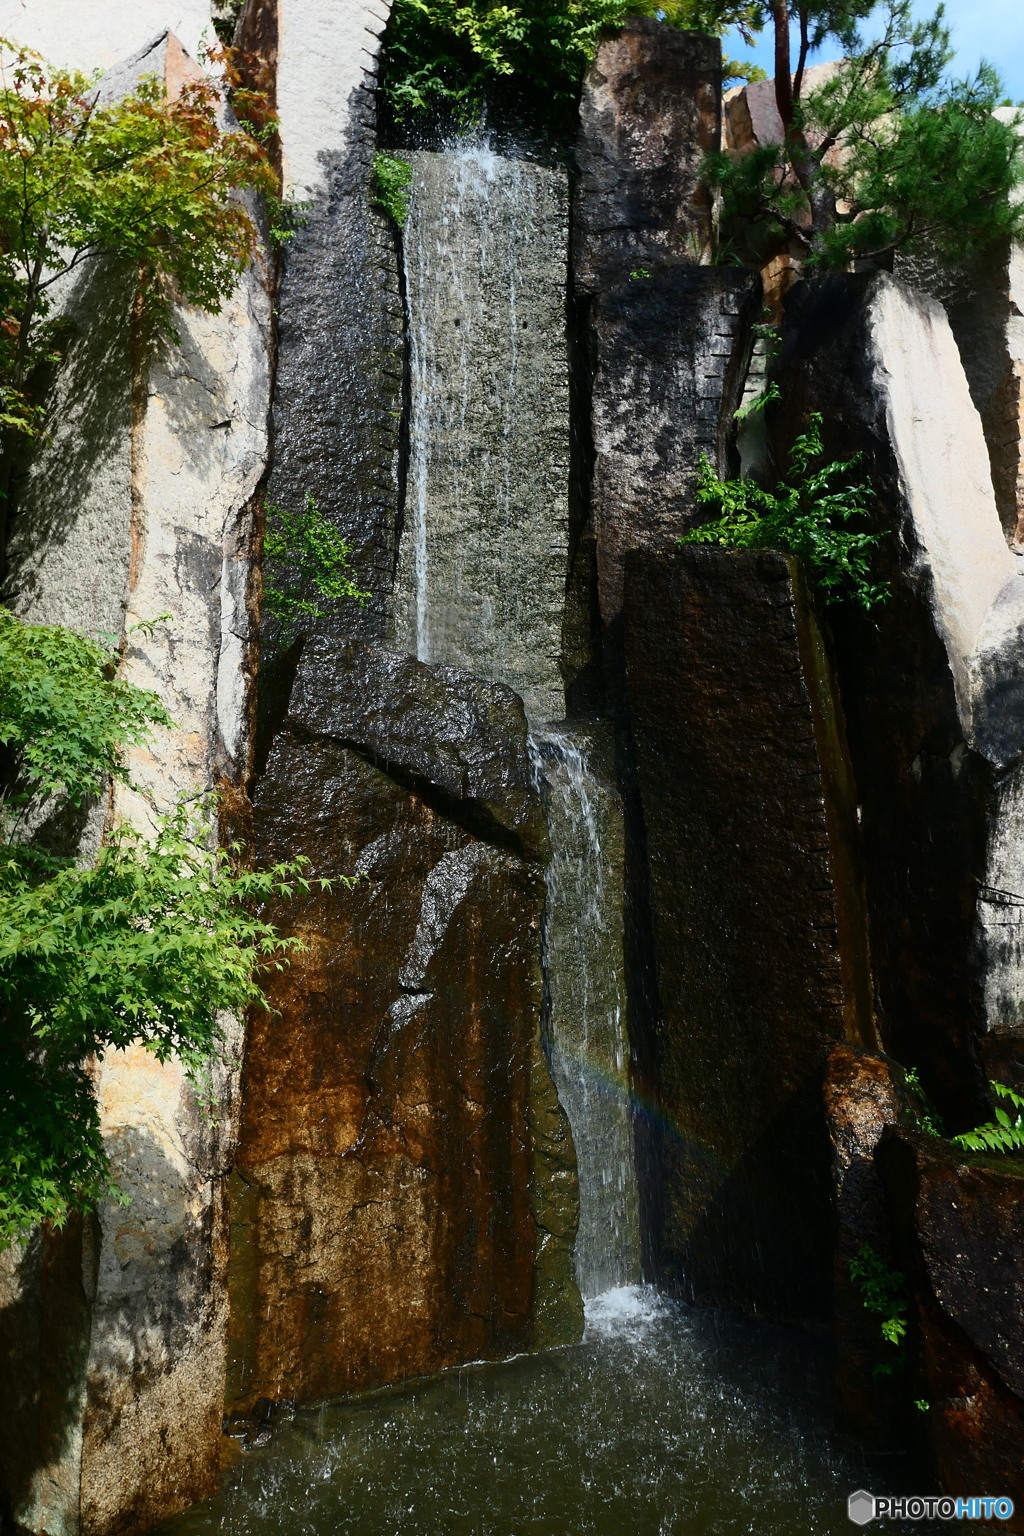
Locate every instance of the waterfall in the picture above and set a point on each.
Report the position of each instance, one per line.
(480, 584)
(481, 566)
(584, 968)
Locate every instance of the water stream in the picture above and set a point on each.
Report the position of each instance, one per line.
(481, 566)
(585, 975)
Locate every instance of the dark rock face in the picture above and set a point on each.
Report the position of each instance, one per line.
(650, 111)
(962, 1236)
(861, 1100)
(668, 355)
(432, 727)
(337, 398)
(757, 926)
(402, 1161)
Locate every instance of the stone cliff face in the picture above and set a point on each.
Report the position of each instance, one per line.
(140, 503)
(389, 1194)
(762, 853)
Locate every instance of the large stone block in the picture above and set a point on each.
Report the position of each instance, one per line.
(338, 384)
(394, 1126)
(933, 680)
(139, 503)
(484, 552)
(669, 350)
(650, 112)
(758, 927)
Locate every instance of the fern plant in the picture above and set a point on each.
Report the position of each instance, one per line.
(1004, 1133)
(807, 513)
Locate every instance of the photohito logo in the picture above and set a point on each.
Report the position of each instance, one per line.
(863, 1506)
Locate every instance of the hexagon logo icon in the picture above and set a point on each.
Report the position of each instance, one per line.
(861, 1507)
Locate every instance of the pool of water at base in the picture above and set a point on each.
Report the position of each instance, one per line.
(664, 1421)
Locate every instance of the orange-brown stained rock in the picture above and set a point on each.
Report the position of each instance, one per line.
(861, 1099)
(382, 1200)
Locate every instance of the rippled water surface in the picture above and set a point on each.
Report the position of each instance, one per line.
(663, 1421)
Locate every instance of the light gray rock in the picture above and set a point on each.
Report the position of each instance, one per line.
(140, 503)
(484, 551)
(984, 299)
(952, 527)
(95, 34)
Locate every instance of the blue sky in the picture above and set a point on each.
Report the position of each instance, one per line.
(982, 29)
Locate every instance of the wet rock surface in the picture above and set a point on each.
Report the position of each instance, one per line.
(758, 946)
(399, 1168)
(337, 398)
(438, 729)
(650, 111)
(961, 1238)
(482, 562)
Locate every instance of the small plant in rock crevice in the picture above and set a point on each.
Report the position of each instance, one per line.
(807, 513)
(306, 569)
(882, 1291)
(392, 184)
(1004, 1133)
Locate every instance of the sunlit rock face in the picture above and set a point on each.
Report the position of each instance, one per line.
(932, 681)
(650, 110)
(140, 503)
(960, 1241)
(396, 1172)
(758, 931)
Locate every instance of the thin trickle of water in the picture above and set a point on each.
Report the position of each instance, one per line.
(584, 967)
(481, 568)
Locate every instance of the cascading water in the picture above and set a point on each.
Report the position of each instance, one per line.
(481, 567)
(585, 974)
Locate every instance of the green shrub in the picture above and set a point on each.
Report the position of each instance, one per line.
(306, 571)
(149, 943)
(447, 53)
(807, 514)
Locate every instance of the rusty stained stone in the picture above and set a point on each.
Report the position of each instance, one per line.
(383, 1223)
(758, 926)
(959, 1220)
